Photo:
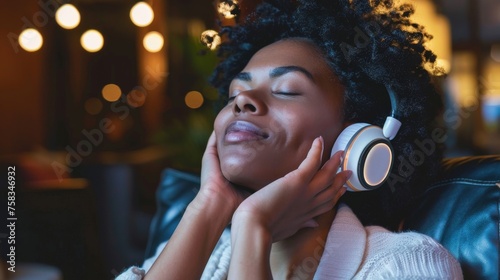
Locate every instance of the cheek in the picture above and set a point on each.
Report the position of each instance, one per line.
(298, 133)
(311, 125)
(308, 127)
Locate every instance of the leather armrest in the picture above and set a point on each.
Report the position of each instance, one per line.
(177, 189)
(461, 211)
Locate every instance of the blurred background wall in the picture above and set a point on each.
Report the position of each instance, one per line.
(90, 130)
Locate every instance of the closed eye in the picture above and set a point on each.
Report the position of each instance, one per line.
(285, 93)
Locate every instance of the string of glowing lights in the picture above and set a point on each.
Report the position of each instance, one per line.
(68, 17)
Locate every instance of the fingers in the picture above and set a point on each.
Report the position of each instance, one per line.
(311, 163)
(319, 180)
(328, 200)
(335, 190)
(328, 192)
(313, 158)
(210, 165)
(211, 148)
(321, 209)
(342, 178)
(327, 174)
(310, 224)
(334, 162)
(212, 141)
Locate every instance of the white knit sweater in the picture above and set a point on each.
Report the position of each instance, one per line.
(351, 252)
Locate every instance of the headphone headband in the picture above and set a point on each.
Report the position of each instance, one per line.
(394, 101)
(392, 125)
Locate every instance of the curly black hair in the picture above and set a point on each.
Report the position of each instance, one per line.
(370, 45)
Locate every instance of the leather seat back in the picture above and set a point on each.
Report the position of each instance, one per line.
(461, 211)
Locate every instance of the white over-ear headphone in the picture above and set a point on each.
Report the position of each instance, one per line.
(367, 151)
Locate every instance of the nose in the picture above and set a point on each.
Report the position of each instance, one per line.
(248, 102)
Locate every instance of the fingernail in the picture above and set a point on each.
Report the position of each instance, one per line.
(348, 174)
(312, 224)
(322, 144)
(341, 155)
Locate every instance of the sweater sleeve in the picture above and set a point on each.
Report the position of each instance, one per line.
(408, 255)
(132, 273)
(216, 268)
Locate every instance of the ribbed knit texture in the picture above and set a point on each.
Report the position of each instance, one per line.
(344, 249)
(408, 255)
(218, 264)
(351, 252)
(356, 252)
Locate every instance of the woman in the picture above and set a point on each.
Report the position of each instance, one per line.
(296, 74)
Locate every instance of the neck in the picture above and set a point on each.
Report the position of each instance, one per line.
(298, 256)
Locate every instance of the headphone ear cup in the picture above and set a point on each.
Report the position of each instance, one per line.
(345, 137)
(367, 153)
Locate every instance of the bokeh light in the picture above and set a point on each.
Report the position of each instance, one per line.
(153, 41)
(92, 40)
(211, 39)
(141, 14)
(93, 106)
(228, 8)
(68, 16)
(30, 40)
(111, 92)
(193, 99)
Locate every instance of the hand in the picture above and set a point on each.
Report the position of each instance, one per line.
(214, 186)
(293, 201)
(187, 252)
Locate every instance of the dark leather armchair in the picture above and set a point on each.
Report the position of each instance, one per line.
(461, 210)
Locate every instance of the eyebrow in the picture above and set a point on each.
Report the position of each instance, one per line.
(276, 72)
(244, 76)
(279, 71)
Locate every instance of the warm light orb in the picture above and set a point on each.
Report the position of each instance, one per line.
(93, 106)
(227, 8)
(193, 99)
(68, 16)
(111, 92)
(211, 39)
(92, 40)
(153, 41)
(30, 40)
(142, 14)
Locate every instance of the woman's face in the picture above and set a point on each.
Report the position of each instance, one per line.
(284, 98)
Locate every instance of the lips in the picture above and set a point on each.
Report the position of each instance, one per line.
(241, 131)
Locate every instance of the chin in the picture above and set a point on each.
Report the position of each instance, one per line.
(243, 177)
(254, 171)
